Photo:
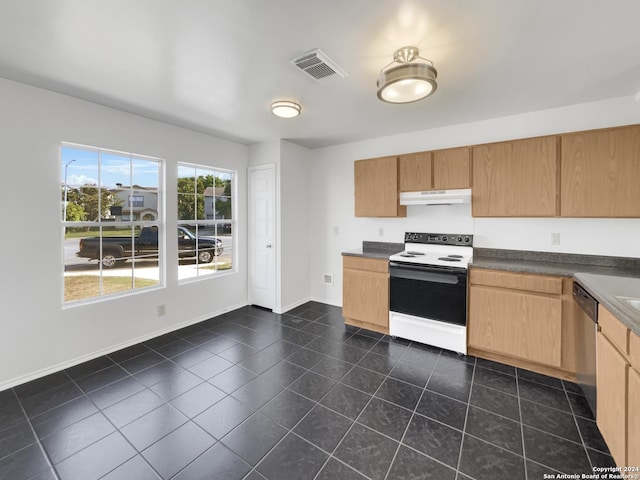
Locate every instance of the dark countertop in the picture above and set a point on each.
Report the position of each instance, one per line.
(376, 250)
(548, 263)
(611, 292)
(606, 278)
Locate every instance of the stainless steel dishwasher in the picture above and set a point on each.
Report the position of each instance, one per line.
(586, 329)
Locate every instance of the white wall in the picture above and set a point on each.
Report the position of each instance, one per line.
(294, 226)
(37, 333)
(332, 202)
(292, 218)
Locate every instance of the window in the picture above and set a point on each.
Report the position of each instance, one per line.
(136, 201)
(111, 214)
(205, 221)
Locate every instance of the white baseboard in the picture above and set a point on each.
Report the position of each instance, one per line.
(291, 306)
(327, 301)
(90, 356)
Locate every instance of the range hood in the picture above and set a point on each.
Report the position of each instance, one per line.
(436, 197)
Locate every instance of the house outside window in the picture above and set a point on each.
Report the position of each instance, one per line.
(205, 221)
(111, 216)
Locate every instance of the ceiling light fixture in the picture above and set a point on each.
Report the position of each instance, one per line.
(409, 81)
(285, 109)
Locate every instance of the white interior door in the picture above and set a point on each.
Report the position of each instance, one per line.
(262, 271)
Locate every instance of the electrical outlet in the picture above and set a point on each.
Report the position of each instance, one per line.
(327, 279)
(336, 230)
(381, 232)
(555, 238)
(162, 310)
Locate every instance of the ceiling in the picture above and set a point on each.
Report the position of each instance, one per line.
(215, 65)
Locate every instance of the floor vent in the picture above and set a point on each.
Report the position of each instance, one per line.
(318, 66)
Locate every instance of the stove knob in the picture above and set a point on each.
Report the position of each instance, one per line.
(466, 240)
(459, 239)
(444, 238)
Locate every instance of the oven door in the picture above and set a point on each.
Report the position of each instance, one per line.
(436, 293)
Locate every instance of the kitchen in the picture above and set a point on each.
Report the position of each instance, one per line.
(318, 199)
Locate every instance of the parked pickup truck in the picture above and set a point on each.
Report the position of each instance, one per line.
(116, 250)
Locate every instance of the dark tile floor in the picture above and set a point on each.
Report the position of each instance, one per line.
(255, 395)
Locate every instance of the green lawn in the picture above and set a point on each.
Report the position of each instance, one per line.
(88, 286)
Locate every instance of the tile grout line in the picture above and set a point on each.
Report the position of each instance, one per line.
(466, 417)
(575, 421)
(37, 437)
(524, 450)
(413, 414)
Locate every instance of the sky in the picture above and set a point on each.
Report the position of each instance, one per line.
(80, 165)
(88, 167)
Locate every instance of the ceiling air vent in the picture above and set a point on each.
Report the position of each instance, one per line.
(317, 65)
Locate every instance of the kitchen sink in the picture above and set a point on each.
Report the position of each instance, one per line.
(630, 301)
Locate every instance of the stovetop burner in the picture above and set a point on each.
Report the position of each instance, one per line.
(453, 251)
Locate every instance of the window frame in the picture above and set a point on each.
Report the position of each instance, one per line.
(196, 223)
(127, 211)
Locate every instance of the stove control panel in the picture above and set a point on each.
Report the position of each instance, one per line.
(439, 239)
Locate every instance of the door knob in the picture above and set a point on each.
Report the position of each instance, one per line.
(269, 246)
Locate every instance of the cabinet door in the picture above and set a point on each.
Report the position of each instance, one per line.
(452, 168)
(376, 188)
(515, 179)
(516, 324)
(601, 173)
(365, 297)
(611, 388)
(415, 172)
(633, 419)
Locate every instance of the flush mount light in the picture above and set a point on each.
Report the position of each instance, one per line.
(413, 79)
(285, 109)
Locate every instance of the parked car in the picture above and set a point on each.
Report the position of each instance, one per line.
(116, 250)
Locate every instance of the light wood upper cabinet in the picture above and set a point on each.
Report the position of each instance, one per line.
(439, 170)
(415, 172)
(601, 173)
(452, 168)
(376, 188)
(516, 178)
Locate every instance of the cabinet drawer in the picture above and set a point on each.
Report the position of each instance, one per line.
(369, 264)
(615, 331)
(516, 281)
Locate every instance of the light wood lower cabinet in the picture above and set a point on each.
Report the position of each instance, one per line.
(618, 388)
(365, 293)
(524, 320)
(633, 419)
(611, 375)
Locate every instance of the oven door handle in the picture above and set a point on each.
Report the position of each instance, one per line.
(408, 272)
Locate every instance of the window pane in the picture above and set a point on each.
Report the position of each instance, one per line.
(79, 180)
(81, 276)
(146, 271)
